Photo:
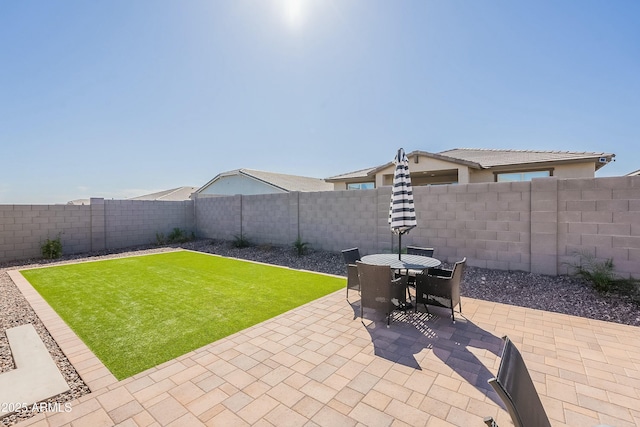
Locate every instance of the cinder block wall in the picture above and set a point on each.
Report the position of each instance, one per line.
(104, 224)
(136, 222)
(337, 220)
(218, 217)
(489, 224)
(600, 217)
(270, 218)
(536, 226)
(24, 228)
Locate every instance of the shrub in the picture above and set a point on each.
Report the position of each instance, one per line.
(300, 246)
(239, 241)
(160, 240)
(602, 277)
(177, 235)
(52, 249)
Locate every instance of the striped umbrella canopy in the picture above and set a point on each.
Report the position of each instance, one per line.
(402, 215)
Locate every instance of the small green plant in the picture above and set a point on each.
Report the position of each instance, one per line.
(239, 241)
(178, 235)
(160, 239)
(52, 248)
(599, 273)
(300, 246)
(603, 278)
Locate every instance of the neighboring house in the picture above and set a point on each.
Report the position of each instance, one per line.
(173, 195)
(636, 173)
(79, 202)
(248, 182)
(471, 165)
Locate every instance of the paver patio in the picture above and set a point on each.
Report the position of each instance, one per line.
(320, 365)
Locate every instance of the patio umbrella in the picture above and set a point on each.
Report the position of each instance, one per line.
(402, 215)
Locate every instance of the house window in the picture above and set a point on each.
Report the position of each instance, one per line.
(360, 186)
(521, 176)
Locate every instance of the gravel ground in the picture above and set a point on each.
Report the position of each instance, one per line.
(560, 294)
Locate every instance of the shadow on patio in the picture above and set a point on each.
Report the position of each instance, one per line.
(410, 334)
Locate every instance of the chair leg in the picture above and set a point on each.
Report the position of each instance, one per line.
(453, 317)
(490, 422)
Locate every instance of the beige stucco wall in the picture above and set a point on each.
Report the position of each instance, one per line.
(466, 175)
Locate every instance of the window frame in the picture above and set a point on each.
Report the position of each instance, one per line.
(496, 175)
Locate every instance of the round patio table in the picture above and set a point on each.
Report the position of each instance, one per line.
(406, 262)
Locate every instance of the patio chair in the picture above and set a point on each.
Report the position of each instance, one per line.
(416, 250)
(440, 287)
(379, 289)
(350, 257)
(515, 388)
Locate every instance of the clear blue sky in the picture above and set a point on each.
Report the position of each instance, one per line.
(121, 98)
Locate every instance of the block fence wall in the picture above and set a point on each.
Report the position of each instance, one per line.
(536, 226)
(102, 225)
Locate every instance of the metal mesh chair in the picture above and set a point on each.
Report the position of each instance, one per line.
(350, 257)
(515, 388)
(379, 290)
(441, 287)
(416, 250)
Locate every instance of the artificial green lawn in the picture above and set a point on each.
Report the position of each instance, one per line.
(137, 312)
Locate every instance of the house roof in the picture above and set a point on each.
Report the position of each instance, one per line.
(488, 158)
(282, 181)
(480, 158)
(172, 195)
(634, 173)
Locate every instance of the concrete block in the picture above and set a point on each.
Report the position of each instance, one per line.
(626, 193)
(510, 196)
(630, 242)
(538, 216)
(509, 236)
(572, 216)
(498, 265)
(612, 205)
(612, 182)
(497, 246)
(497, 225)
(582, 228)
(476, 225)
(508, 216)
(544, 243)
(567, 195)
(615, 229)
(581, 205)
(597, 241)
(522, 206)
(486, 235)
(483, 215)
(544, 197)
(544, 264)
(631, 217)
(597, 216)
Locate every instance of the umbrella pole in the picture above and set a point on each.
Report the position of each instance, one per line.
(399, 245)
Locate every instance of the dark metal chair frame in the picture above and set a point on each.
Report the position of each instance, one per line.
(515, 388)
(350, 257)
(416, 250)
(440, 287)
(379, 290)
